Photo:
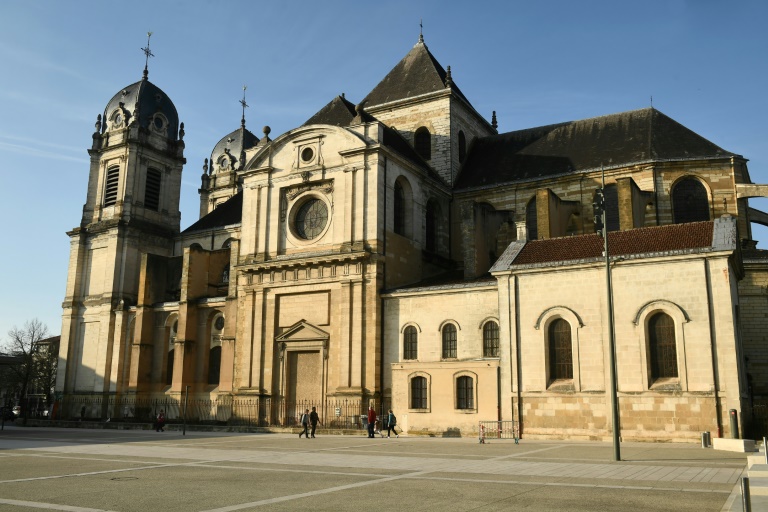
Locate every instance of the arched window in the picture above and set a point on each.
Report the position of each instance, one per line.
(462, 147)
(663, 349)
(432, 226)
(214, 365)
(560, 350)
(465, 393)
(410, 343)
(449, 341)
(422, 142)
(689, 201)
(531, 220)
(419, 393)
(399, 209)
(491, 339)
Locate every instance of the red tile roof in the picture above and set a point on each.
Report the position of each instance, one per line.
(675, 237)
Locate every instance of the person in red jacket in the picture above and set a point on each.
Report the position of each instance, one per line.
(371, 421)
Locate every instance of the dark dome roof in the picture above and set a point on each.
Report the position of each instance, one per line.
(236, 142)
(154, 108)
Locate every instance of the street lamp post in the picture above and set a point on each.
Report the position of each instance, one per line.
(600, 206)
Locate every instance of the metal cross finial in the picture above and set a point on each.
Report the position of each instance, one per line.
(148, 53)
(244, 104)
(421, 30)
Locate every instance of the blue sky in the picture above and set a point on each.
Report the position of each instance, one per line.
(534, 63)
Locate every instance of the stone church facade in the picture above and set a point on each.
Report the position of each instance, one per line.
(401, 251)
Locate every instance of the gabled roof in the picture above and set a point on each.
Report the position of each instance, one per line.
(613, 140)
(227, 213)
(342, 112)
(656, 240)
(338, 112)
(418, 73)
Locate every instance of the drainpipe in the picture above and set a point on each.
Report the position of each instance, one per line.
(715, 373)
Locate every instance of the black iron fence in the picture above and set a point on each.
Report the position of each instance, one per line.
(225, 411)
(756, 423)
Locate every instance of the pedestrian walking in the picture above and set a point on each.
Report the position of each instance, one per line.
(160, 424)
(305, 424)
(391, 423)
(371, 421)
(314, 419)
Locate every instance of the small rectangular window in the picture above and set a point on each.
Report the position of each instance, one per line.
(152, 190)
(110, 190)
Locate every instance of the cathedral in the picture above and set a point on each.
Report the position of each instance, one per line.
(400, 252)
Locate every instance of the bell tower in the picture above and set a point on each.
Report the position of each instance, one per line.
(132, 207)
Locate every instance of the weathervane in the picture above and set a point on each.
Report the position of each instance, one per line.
(147, 53)
(245, 105)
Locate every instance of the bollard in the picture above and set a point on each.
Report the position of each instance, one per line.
(734, 417)
(703, 439)
(709, 439)
(746, 502)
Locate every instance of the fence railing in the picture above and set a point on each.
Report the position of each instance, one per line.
(506, 429)
(227, 410)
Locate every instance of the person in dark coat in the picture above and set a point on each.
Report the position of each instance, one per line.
(160, 425)
(314, 419)
(371, 421)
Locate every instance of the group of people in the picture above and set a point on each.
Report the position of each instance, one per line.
(391, 423)
(307, 419)
(310, 420)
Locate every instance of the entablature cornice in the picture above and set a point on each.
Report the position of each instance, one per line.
(251, 267)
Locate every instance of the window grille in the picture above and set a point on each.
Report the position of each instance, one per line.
(661, 334)
(152, 190)
(214, 365)
(110, 190)
(690, 202)
(410, 343)
(560, 350)
(465, 393)
(169, 369)
(419, 393)
(399, 209)
(491, 339)
(449, 341)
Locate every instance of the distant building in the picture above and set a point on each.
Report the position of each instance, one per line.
(401, 251)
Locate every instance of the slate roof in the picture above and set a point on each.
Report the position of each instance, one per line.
(418, 73)
(227, 213)
(341, 112)
(236, 141)
(338, 112)
(613, 140)
(651, 240)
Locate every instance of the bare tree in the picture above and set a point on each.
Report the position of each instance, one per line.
(24, 343)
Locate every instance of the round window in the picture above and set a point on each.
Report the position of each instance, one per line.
(307, 154)
(159, 122)
(219, 324)
(311, 218)
(118, 120)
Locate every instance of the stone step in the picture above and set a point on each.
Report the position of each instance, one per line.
(733, 445)
(758, 486)
(758, 470)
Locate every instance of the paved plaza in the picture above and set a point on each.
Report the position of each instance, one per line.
(81, 470)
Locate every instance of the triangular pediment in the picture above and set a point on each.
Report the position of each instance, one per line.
(302, 331)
